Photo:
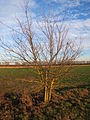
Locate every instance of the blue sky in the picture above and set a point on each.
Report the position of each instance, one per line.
(77, 16)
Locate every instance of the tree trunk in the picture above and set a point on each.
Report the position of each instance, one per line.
(46, 96)
(51, 87)
(48, 92)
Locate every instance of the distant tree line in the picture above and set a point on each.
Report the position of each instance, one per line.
(44, 63)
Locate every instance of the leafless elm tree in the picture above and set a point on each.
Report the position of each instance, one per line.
(46, 47)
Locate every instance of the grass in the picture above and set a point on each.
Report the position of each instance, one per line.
(80, 75)
(70, 101)
(10, 73)
(11, 79)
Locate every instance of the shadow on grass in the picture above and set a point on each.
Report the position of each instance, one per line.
(71, 87)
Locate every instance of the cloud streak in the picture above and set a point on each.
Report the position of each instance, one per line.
(77, 15)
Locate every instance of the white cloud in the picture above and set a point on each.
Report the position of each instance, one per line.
(80, 29)
(67, 3)
(11, 8)
(69, 7)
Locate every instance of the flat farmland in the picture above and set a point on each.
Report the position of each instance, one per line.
(10, 77)
(70, 96)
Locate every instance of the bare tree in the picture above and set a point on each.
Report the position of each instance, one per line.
(46, 47)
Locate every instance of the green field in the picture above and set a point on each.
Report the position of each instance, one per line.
(11, 78)
(70, 98)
